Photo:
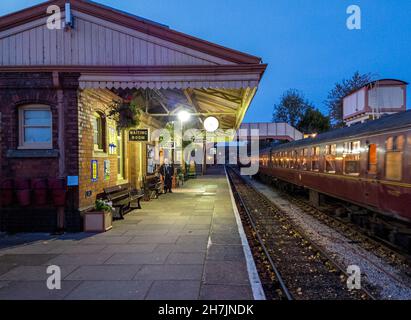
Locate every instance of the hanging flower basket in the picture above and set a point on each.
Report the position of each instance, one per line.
(127, 112)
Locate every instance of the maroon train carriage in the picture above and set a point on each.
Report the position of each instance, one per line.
(366, 165)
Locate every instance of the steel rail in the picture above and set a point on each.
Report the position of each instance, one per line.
(261, 242)
(299, 230)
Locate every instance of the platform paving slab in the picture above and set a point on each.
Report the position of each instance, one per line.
(110, 290)
(105, 272)
(33, 273)
(174, 290)
(185, 245)
(35, 290)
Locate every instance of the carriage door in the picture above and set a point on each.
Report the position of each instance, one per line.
(371, 185)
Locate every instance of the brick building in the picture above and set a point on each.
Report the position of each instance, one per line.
(58, 83)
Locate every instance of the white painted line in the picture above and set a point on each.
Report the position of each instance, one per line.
(255, 281)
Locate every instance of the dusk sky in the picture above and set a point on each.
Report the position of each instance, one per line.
(305, 42)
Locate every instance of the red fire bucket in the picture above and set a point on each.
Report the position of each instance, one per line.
(23, 193)
(6, 192)
(57, 187)
(39, 187)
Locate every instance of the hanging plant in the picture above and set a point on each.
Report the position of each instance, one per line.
(127, 111)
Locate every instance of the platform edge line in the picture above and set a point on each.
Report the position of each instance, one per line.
(254, 278)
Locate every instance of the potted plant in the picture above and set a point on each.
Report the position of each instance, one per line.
(100, 219)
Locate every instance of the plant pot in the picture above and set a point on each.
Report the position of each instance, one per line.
(97, 221)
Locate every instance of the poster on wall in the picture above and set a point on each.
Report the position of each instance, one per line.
(107, 170)
(94, 170)
(150, 159)
(112, 141)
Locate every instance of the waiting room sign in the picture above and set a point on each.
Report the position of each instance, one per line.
(139, 135)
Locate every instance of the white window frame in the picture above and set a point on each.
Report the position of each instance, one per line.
(22, 126)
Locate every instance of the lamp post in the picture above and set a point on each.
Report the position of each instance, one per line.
(211, 124)
(183, 116)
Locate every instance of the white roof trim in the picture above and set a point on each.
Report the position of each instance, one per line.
(168, 82)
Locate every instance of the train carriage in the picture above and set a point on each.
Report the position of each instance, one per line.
(367, 164)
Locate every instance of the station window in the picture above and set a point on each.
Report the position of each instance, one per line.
(393, 158)
(372, 159)
(330, 158)
(99, 128)
(315, 159)
(35, 127)
(351, 157)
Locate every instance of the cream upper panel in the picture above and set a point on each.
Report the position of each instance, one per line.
(93, 41)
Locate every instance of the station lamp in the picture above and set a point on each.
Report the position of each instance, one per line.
(184, 116)
(211, 124)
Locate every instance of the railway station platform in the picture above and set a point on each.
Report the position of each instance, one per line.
(185, 245)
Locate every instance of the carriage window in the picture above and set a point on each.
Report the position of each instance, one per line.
(315, 159)
(393, 158)
(304, 155)
(294, 161)
(351, 157)
(289, 155)
(330, 158)
(372, 159)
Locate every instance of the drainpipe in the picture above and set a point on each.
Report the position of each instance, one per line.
(61, 142)
(61, 122)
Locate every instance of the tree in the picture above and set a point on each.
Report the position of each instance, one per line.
(334, 101)
(314, 121)
(291, 108)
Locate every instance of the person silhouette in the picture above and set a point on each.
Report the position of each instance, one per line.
(167, 171)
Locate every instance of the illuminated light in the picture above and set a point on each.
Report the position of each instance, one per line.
(314, 135)
(339, 158)
(211, 124)
(184, 116)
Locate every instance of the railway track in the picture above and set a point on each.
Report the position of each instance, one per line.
(301, 270)
(394, 255)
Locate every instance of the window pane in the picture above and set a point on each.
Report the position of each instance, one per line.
(37, 135)
(37, 118)
(394, 166)
(98, 132)
(352, 164)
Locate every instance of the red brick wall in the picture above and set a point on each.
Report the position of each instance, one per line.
(17, 89)
(91, 101)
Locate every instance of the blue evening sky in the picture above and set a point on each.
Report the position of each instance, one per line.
(305, 42)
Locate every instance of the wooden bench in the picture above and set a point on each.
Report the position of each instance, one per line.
(123, 197)
(152, 186)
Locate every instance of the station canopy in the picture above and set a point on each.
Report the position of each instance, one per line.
(116, 51)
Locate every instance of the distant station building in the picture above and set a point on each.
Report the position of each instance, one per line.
(60, 145)
(377, 98)
(268, 131)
